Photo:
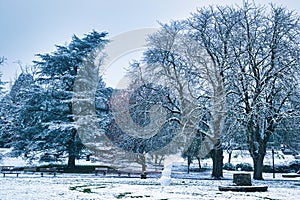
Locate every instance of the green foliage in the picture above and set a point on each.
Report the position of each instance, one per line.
(87, 190)
(123, 195)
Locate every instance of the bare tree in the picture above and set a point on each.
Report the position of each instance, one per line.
(257, 52)
(210, 29)
(174, 60)
(267, 62)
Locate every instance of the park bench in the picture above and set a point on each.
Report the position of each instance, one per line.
(158, 167)
(127, 172)
(30, 170)
(106, 169)
(292, 175)
(9, 170)
(103, 169)
(142, 175)
(48, 170)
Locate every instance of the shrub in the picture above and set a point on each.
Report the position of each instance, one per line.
(229, 166)
(203, 169)
(294, 166)
(244, 167)
(282, 169)
(267, 169)
(87, 190)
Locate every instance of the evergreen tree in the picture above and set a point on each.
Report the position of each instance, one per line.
(57, 75)
(12, 106)
(2, 108)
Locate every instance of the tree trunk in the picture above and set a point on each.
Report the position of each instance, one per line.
(199, 162)
(144, 165)
(71, 161)
(258, 153)
(229, 156)
(141, 159)
(74, 146)
(258, 162)
(217, 157)
(156, 159)
(189, 161)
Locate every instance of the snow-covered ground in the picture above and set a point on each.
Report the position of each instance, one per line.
(75, 186)
(183, 186)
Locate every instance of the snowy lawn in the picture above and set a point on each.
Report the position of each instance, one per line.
(193, 186)
(183, 186)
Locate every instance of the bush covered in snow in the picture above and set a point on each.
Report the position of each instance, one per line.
(294, 165)
(290, 167)
(244, 167)
(229, 166)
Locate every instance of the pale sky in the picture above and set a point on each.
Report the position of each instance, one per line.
(28, 27)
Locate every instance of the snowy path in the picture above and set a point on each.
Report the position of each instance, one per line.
(74, 186)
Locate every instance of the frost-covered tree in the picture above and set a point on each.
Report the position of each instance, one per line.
(209, 28)
(193, 151)
(266, 67)
(56, 75)
(1, 105)
(12, 105)
(2, 59)
(257, 50)
(138, 123)
(174, 60)
(252, 77)
(19, 118)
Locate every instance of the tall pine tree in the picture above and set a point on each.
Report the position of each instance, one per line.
(57, 75)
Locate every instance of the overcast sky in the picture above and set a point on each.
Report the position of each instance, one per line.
(28, 27)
